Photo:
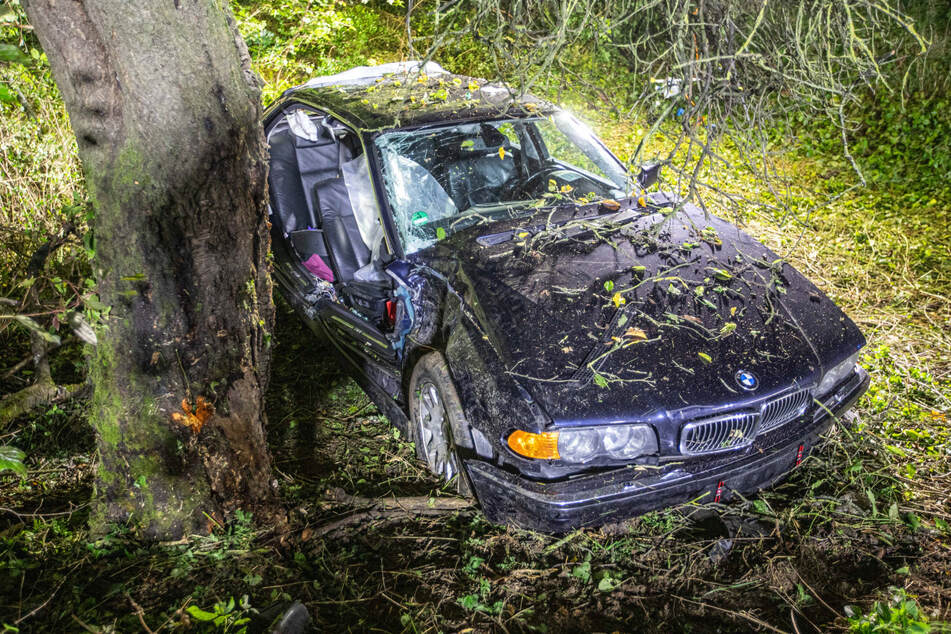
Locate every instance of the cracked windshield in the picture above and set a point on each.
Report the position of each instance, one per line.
(441, 180)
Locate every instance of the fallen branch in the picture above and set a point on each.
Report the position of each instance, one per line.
(44, 391)
(40, 394)
(394, 508)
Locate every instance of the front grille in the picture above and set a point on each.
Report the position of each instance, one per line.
(719, 434)
(781, 410)
(739, 429)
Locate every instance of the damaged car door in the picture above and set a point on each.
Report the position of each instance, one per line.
(323, 198)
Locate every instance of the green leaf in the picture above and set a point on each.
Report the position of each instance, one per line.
(609, 286)
(440, 233)
(10, 53)
(11, 459)
(470, 601)
(600, 381)
(722, 275)
(199, 614)
(7, 95)
(706, 358)
(582, 571)
(607, 584)
(29, 324)
(728, 327)
(913, 521)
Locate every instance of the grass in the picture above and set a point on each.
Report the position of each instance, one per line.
(857, 537)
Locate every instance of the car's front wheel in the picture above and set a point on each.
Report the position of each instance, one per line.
(435, 409)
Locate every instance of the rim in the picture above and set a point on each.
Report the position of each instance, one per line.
(433, 431)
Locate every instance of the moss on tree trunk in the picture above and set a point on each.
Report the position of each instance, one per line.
(166, 112)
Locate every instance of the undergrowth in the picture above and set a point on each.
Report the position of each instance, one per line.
(858, 538)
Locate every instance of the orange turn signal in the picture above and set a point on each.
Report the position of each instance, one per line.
(543, 445)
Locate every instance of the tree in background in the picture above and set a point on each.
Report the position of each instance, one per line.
(703, 71)
(166, 112)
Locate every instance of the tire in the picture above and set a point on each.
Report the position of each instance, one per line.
(435, 411)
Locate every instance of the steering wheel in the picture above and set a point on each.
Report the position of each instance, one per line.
(530, 183)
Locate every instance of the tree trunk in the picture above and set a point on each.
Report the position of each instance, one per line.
(167, 115)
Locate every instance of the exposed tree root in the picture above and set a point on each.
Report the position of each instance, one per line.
(389, 509)
(44, 391)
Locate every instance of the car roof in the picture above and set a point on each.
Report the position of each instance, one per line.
(411, 94)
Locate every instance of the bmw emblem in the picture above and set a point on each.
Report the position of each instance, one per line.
(747, 380)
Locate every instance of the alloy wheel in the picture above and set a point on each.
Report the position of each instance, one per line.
(433, 429)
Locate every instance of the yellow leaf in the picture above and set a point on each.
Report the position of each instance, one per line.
(635, 333)
(502, 153)
(473, 85)
(566, 188)
(641, 201)
(618, 300)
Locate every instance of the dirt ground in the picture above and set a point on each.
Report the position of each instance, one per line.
(790, 559)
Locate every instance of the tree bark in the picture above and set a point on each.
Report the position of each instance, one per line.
(166, 112)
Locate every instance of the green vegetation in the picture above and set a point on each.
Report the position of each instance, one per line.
(858, 538)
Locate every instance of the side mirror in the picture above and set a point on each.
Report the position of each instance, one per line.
(649, 174)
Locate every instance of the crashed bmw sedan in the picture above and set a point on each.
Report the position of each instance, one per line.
(557, 342)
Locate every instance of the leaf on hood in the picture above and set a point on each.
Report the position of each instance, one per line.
(722, 274)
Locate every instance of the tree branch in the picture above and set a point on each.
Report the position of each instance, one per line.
(390, 509)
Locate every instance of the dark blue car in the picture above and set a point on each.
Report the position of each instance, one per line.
(556, 341)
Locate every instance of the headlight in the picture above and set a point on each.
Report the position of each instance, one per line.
(583, 444)
(578, 445)
(836, 375)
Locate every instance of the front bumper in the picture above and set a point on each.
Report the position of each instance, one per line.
(599, 498)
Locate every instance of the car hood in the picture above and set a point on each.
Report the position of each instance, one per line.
(642, 313)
